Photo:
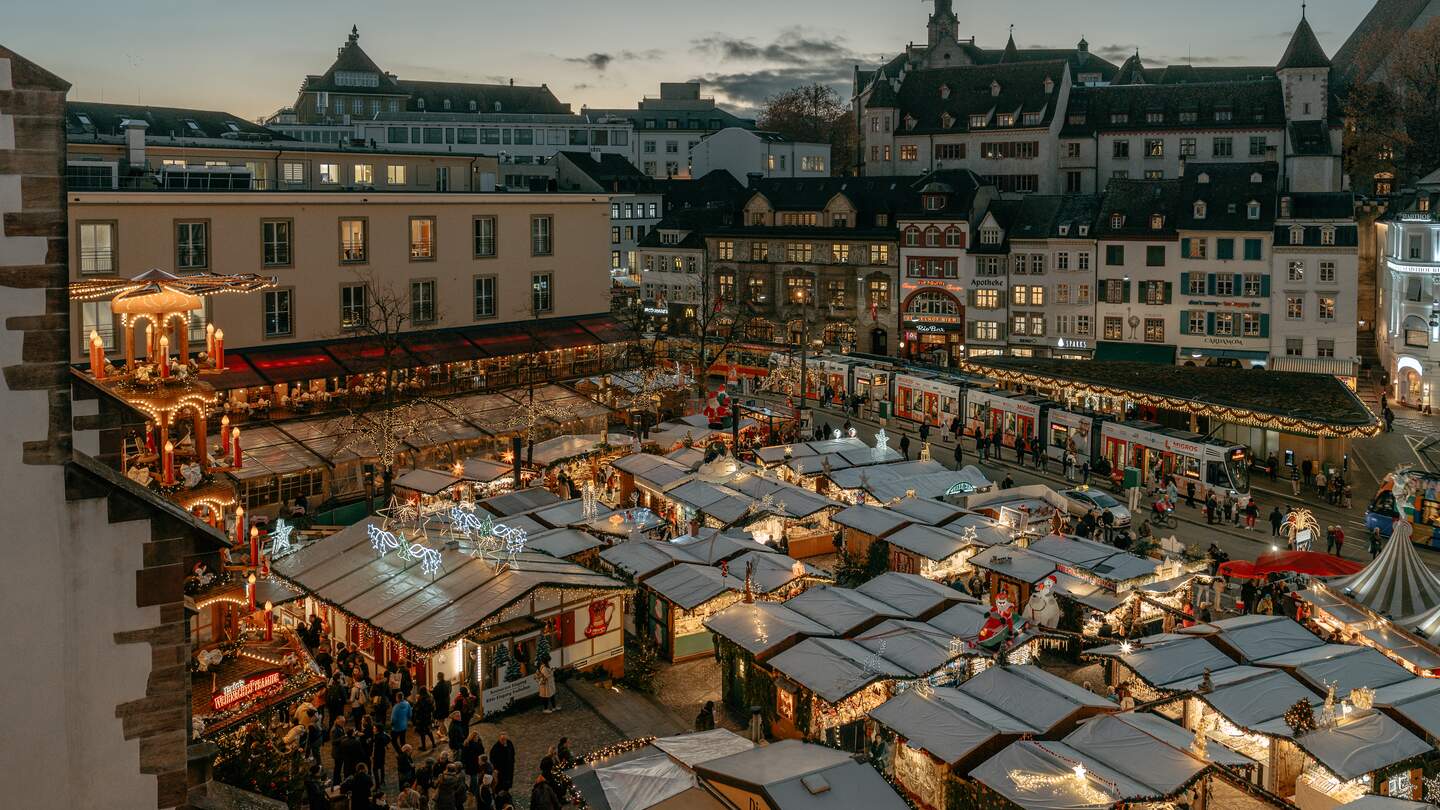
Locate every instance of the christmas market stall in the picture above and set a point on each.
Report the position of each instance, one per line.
(794, 775)
(762, 629)
(567, 544)
(642, 478)
(925, 479)
(651, 773)
(458, 594)
(682, 598)
(862, 525)
(933, 512)
(1029, 510)
(824, 687)
(941, 554)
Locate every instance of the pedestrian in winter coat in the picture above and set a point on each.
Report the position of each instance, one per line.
(542, 796)
(705, 720)
(545, 677)
(1190, 494)
(359, 787)
(379, 741)
(905, 447)
(924, 432)
(441, 693)
(400, 719)
(1275, 520)
(959, 455)
(1374, 542)
(1247, 596)
(1217, 588)
(502, 756)
(423, 717)
(456, 732)
(449, 789)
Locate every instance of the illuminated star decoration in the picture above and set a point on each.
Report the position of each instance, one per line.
(970, 535)
(882, 446)
(280, 538)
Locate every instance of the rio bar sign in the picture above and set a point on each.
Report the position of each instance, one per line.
(246, 688)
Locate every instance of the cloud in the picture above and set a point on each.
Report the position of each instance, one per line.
(793, 58)
(793, 46)
(602, 61)
(1114, 52)
(749, 89)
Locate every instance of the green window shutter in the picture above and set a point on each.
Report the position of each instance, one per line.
(1209, 283)
(1209, 323)
(1239, 287)
(1169, 291)
(1265, 287)
(1184, 321)
(1264, 326)
(1124, 292)
(1184, 283)
(1185, 247)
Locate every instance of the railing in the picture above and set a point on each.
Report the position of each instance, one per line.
(422, 249)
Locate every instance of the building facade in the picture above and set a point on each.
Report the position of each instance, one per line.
(1408, 328)
(742, 152)
(666, 127)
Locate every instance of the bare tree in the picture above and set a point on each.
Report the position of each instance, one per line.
(1393, 108)
(813, 113)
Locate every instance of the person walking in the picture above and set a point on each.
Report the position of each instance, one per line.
(471, 753)
(1190, 494)
(399, 720)
(542, 795)
(545, 678)
(423, 718)
(1272, 466)
(1389, 420)
(705, 720)
(1019, 450)
(1294, 480)
(1217, 591)
(1339, 542)
(1067, 464)
(455, 733)
(959, 455)
(1307, 469)
(1374, 542)
(441, 693)
(379, 741)
(359, 787)
(1037, 449)
(502, 756)
(1252, 514)
(924, 432)
(1209, 508)
(1107, 525)
(905, 446)
(1247, 596)
(1275, 520)
(1085, 472)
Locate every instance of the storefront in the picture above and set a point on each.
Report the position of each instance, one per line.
(933, 327)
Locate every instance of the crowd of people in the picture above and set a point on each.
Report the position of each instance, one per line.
(383, 730)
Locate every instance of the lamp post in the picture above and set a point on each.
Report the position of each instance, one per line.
(802, 304)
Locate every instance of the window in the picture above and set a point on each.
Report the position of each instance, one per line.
(1062, 261)
(990, 266)
(954, 237)
(725, 249)
(1154, 148)
(1196, 321)
(800, 289)
(541, 236)
(277, 313)
(1225, 249)
(354, 306)
(798, 251)
(1297, 270)
(1224, 324)
(1156, 293)
(1254, 250)
(1252, 210)
(485, 293)
(1222, 147)
(758, 288)
(978, 120)
(329, 173)
(990, 236)
(1294, 307)
(1187, 147)
(1327, 272)
(759, 251)
(1195, 248)
(1257, 146)
(1010, 150)
(96, 316)
(1154, 174)
(726, 284)
(1294, 347)
(839, 220)
(275, 242)
(1116, 291)
(932, 237)
(840, 252)
(1019, 295)
(1114, 328)
(1062, 293)
(909, 152)
(879, 293)
(949, 151)
(1416, 244)
(1082, 294)
(97, 248)
(1224, 284)
(1157, 222)
(1114, 255)
(987, 299)
(1074, 183)
(1326, 348)
(293, 173)
(541, 289)
(1327, 235)
(1254, 285)
(1154, 330)
(422, 301)
(835, 292)
(422, 238)
(1072, 149)
(395, 174)
(673, 147)
(1250, 324)
(1154, 255)
(484, 237)
(192, 245)
(1196, 284)
(1082, 324)
(1120, 149)
(1082, 260)
(1326, 310)
(987, 330)
(353, 240)
(364, 174)
(1200, 209)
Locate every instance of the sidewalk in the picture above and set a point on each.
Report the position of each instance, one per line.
(632, 714)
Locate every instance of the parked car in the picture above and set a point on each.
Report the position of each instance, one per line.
(1083, 500)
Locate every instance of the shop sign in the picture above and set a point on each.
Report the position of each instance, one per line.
(499, 698)
(1023, 340)
(661, 311)
(931, 329)
(930, 282)
(981, 283)
(1067, 343)
(246, 688)
(602, 612)
(912, 318)
(1224, 341)
(1225, 304)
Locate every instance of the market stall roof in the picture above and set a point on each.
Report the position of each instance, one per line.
(1163, 661)
(1086, 593)
(867, 457)
(815, 465)
(1257, 704)
(1361, 743)
(1256, 636)
(1416, 702)
(562, 543)
(708, 499)
(928, 542)
(484, 470)
(866, 477)
(690, 457)
(794, 776)
(1101, 560)
(778, 454)
(928, 510)
(978, 528)
(1420, 655)
(641, 558)
(712, 546)
(1179, 737)
(1344, 665)
(963, 621)
(1397, 582)
(428, 482)
(773, 571)
(915, 596)
(929, 485)
(395, 598)
(764, 628)
(1036, 697)
(833, 668)
(658, 775)
(560, 448)
(843, 610)
(651, 471)
(1014, 562)
(567, 513)
(918, 647)
(519, 501)
(1143, 757)
(690, 585)
(947, 723)
(790, 501)
(1370, 801)
(870, 520)
(1342, 609)
(1042, 777)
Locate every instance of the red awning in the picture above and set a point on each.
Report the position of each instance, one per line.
(500, 342)
(361, 356)
(564, 335)
(238, 374)
(433, 348)
(1310, 563)
(606, 329)
(292, 365)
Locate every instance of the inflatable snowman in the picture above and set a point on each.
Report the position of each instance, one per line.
(1043, 609)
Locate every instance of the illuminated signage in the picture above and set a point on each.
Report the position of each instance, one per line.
(1067, 343)
(252, 686)
(656, 311)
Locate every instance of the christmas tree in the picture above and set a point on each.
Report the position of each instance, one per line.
(253, 759)
(512, 671)
(502, 657)
(542, 650)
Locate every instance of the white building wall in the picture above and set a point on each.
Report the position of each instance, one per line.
(1136, 269)
(1137, 163)
(1310, 329)
(742, 152)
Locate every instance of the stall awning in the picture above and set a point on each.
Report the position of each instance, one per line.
(434, 348)
(1361, 744)
(1337, 366)
(1161, 354)
(292, 364)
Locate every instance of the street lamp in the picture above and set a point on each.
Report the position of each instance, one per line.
(803, 306)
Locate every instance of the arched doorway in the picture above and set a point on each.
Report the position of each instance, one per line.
(934, 326)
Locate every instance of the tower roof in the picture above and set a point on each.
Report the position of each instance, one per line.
(1304, 50)
(1012, 53)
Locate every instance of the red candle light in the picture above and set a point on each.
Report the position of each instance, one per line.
(269, 621)
(235, 447)
(250, 591)
(219, 349)
(225, 435)
(239, 523)
(254, 545)
(97, 355)
(150, 436)
(164, 358)
(210, 339)
(167, 462)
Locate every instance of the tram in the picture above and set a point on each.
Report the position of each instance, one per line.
(1158, 451)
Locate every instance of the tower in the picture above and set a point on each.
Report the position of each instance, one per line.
(1304, 73)
(944, 26)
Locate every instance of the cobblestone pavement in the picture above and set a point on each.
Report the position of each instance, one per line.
(684, 688)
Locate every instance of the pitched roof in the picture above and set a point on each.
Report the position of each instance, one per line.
(1304, 50)
(1322, 205)
(1136, 201)
(611, 172)
(1227, 190)
(1042, 216)
(1016, 87)
(352, 58)
(1387, 19)
(1208, 105)
(107, 119)
(504, 98)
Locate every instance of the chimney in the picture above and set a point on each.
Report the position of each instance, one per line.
(135, 141)
(595, 154)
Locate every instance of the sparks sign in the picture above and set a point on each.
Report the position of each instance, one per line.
(250, 687)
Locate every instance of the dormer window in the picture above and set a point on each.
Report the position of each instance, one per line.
(978, 120)
(445, 103)
(910, 122)
(1327, 235)
(994, 89)
(1424, 205)
(944, 91)
(947, 120)
(474, 106)
(1084, 230)
(1252, 210)
(420, 103)
(934, 202)
(1203, 179)
(1119, 118)
(1049, 85)
(1200, 209)
(989, 236)
(1064, 230)
(1157, 222)
(1154, 117)
(1223, 114)
(1005, 120)
(1033, 119)
(1117, 220)
(1256, 178)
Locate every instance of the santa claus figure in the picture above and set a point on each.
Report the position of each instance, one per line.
(1043, 609)
(999, 624)
(717, 409)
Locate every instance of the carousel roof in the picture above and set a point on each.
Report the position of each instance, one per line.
(1396, 583)
(157, 291)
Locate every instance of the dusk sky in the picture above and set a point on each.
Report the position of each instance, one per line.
(249, 58)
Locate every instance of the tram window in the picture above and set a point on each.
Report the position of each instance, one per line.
(1385, 504)
(1429, 512)
(1215, 474)
(1058, 435)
